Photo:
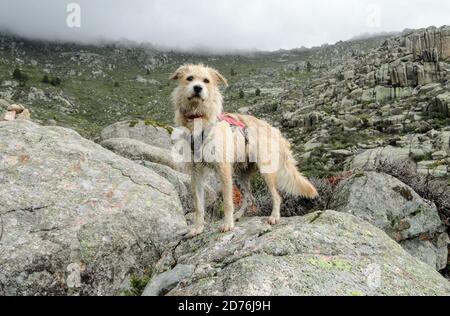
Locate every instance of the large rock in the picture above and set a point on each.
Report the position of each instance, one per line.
(148, 132)
(373, 156)
(427, 73)
(440, 105)
(403, 74)
(76, 218)
(326, 253)
(391, 205)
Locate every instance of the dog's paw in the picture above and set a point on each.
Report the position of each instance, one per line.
(274, 220)
(226, 228)
(194, 232)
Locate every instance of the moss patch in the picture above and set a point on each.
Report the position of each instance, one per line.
(149, 122)
(333, 264)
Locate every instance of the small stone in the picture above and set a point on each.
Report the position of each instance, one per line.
(18, 108)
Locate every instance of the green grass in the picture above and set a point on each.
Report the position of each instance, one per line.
(137, 286)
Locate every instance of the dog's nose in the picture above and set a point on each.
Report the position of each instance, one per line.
(198, 89)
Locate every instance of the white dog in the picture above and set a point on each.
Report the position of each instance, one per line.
(231, 143)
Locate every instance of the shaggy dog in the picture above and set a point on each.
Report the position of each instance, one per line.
(230, 144)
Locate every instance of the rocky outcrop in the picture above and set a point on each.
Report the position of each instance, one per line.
(395, 208)
(325, 253)
(372, 101)
(432, 44)
(74, 217)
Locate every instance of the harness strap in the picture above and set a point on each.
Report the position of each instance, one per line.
(196, 143)
(230, 120)
(226, 117)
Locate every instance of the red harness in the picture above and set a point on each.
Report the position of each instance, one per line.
(230, 120)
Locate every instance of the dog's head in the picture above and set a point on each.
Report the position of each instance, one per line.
(197, 95)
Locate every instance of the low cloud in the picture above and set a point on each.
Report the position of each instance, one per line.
(221, 24)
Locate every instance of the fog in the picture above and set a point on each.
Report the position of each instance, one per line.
(220, 25)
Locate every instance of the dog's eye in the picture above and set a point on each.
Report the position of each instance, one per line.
(190, 78)
(206, 81)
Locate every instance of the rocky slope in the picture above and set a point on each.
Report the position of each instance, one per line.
(77, 219)
(102, 84)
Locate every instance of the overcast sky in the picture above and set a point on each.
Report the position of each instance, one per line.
(220, 24)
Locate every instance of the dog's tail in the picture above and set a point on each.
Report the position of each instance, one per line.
(289, 179)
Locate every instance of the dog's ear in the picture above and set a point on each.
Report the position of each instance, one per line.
(178, 73)
(220, 79)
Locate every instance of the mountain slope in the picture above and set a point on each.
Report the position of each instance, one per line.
(102, 84)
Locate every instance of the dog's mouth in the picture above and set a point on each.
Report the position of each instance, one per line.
(193, 117)
(196, 97)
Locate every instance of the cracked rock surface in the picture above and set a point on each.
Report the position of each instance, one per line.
(394, 207)
(76, 218)
(326, 253)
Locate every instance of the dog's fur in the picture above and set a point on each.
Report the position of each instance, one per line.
(206, 105)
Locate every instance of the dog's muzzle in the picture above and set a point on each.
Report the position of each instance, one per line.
(197, 93)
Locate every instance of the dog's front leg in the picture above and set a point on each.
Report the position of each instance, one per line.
(198, 194)
(225, 172)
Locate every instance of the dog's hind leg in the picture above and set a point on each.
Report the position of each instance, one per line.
(244, 182)
(271, 182)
